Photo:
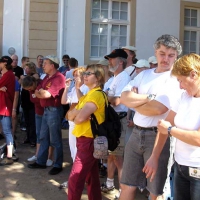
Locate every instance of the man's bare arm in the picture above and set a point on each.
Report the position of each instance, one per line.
(114, 100)
(42, 94)
(133, 100)
(151, 165)
(152, 108)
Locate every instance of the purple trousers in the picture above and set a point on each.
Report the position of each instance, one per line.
(84, 171)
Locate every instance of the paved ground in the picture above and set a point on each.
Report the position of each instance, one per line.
(17, 182)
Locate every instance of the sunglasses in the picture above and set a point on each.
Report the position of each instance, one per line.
(87, 73)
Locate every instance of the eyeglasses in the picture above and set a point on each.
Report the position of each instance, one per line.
(87, 73)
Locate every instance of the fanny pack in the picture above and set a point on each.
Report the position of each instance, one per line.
(100, 147)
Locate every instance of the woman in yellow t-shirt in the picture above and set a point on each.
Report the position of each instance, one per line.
(85, 166)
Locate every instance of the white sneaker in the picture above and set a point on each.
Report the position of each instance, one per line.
(118, 195)
(33, 158)
(49, 163)
(63, 185)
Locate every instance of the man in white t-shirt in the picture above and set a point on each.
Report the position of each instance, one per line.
(131, 60)
(117, 63)
(151, 94)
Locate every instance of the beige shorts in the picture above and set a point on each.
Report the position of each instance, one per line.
(119, 151)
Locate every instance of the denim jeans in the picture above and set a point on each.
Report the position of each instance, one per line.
(38, 124)
(185, 186)
(7, 129)
(50, 135)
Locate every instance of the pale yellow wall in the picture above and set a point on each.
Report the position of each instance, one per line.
(1, 25)
(43, 21)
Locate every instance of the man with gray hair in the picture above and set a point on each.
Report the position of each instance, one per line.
(151, 94)
(117, 63)
(49, 91)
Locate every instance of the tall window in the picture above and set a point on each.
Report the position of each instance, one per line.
(191, 31)
(110, 26)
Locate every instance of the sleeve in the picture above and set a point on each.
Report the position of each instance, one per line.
(17, 86)
(169, 95)
(67, 75)
(134, 83)
(97, 98)
(57, 85)
(129, 86)
(120, 85)
(84, 89)
(70, 95)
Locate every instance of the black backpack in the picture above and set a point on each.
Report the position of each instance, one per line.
(110, 128)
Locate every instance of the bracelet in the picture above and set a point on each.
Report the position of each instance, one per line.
(169, 130)
(14, 109)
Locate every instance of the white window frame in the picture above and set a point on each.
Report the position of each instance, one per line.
(111, 22)
(195, 29)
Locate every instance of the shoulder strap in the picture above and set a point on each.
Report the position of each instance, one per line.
(93, 121)
(132, 72)
(104, 95)
(94, 124)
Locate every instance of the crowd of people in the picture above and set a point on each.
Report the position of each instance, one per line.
(157, 103)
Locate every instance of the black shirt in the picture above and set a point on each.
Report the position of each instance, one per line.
(18, 71)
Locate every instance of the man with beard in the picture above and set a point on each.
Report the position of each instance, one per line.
(117, 63)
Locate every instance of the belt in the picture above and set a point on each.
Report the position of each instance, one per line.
(52, 108)
(153, 128)
(122, 114)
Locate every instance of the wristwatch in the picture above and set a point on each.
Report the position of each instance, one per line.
(151, 96)
(169, 130)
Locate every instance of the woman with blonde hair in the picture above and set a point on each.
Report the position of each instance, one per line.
(183, 123)
(71, 98)
(85, 166)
